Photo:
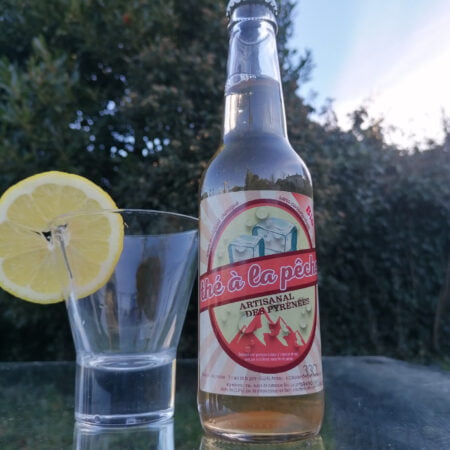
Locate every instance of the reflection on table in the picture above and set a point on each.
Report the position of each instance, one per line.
(371, 403)
(156, 436)
(213, 443)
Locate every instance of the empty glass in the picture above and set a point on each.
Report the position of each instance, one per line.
(126, 334)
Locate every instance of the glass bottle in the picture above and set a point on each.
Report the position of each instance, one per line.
(260, 372)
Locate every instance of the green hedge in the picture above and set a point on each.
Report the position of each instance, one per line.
(130, 94)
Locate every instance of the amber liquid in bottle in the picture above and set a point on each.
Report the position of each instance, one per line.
(256, 155)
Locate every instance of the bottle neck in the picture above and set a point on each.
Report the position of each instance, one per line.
(253, 93)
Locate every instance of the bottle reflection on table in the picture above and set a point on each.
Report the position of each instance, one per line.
(214, 443)
(149, 437)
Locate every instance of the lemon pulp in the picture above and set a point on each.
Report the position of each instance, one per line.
(32, 263)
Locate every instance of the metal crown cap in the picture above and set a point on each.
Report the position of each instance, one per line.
(232, 4)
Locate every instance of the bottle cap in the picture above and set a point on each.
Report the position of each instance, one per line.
(232, 4)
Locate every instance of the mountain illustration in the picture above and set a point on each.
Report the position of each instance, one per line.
(264, 335)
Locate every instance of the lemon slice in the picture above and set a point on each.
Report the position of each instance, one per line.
(33, 265)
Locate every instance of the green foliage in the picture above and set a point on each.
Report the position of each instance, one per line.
(383, 221)
(130, 94)
(127, 93)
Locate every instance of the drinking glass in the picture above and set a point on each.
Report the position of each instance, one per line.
(126, 334)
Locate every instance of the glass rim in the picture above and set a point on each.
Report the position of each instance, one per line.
(55, 222)
(152, 211)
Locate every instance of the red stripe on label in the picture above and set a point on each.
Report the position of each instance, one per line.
(257, 277)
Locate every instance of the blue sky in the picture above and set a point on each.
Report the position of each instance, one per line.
(391, 55)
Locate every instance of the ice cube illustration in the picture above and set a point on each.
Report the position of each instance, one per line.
(245, 247)
(279, 235)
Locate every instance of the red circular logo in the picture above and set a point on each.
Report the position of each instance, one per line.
(265, 313)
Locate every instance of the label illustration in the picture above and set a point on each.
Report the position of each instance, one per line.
(259, 331)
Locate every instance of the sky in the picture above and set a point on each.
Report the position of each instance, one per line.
(393, 56)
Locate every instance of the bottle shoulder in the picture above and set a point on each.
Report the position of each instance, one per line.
(256, 162)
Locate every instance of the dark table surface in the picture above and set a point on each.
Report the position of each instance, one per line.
(371, 403)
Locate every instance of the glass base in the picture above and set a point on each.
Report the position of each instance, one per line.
(259, 438)
(119, 420)
(124, 390)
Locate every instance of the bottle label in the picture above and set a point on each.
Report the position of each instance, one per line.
(259, 317)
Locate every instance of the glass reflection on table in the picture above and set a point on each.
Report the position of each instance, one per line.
(214, 443)
(157, 436)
